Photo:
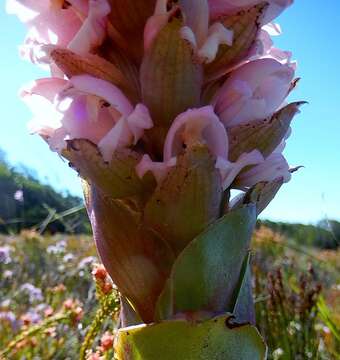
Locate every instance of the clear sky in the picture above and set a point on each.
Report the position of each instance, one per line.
(310, 29)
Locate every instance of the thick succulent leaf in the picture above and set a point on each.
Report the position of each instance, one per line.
(215, 339)
(188, 200)
(263, 135)
(261, 195)
(246, 25)
(128, 18)
(244, 308)
(72, 64)
(137, 260)
(206, 274)
(117, 179)
(170, 78)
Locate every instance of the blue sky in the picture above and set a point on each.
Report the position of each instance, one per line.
(310, 30)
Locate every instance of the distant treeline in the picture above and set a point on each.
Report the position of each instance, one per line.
(27, 203)
(325, 235)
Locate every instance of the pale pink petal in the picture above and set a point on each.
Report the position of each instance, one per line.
(218, 35)
(26, 10)
(196, 17)
(158, 169)
(39, 97)
(46, 87)
(229, 171)
(56, 27)
(93, 30)
(84, 118)
(193, 126)
(188, 35)
(118, 137)
(32, 50)
(231, 101)
(157, 22)
(274, 167)
(272, 29)
(139, 121)
(153, 26)
(49, 27)
(45, 117)
(262, 45)
(284, 57)
(264, 48)
(127, 131)
(57, 140)
(103, 89)
(80, 116)
(254, 91)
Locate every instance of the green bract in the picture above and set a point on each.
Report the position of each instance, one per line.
(207, 275)
(216, 339)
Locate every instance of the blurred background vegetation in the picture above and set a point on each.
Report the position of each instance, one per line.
(27, 203)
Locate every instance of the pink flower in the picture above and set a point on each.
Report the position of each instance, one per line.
(225, 7)
(274, 167)
(159, 169)
(107, 341)
(254, 91)
(264, 46)
(230, 171)
(216, 35)
(40, 97)
(204, 39)
(196, 126)
(203, 68)
(199, 126)
(85, 108)
(49, 22)
(93, 30)
(157, 22)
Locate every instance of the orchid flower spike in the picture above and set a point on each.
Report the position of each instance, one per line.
(164, 107)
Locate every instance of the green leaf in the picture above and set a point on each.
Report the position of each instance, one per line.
(326, 316)
(118, 178)
(244, 310)
(206, 274)
(246, 25)
(215, 339)
(171, 79)
(137, 259)
(261, 195)
(188, 200)
(263, 135)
